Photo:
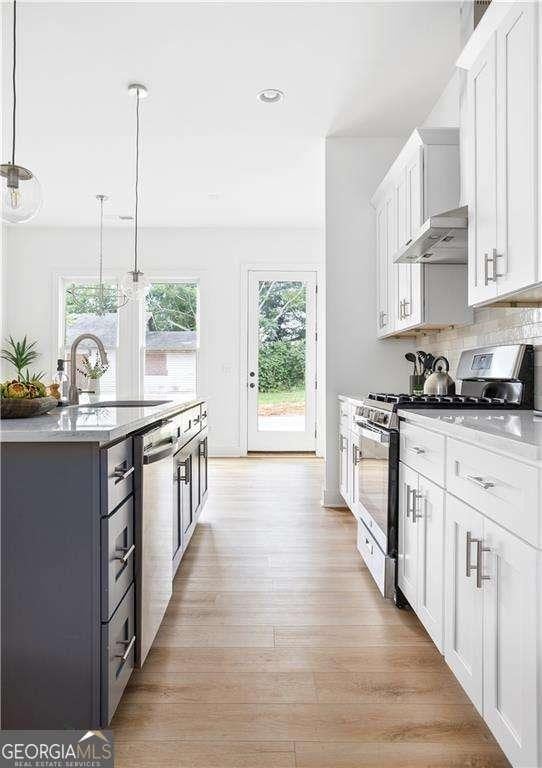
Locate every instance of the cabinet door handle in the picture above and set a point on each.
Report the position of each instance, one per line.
(408, 489)
(121, 474)
(480, 482)
(129, 645)
(470, 540)
(408, 241)
(480, 549)
(493, 261)
(186, 477)
(406, 314)
(416, 497)
(128, 552)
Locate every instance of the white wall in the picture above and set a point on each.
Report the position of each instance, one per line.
(34, 256)
(356, 362)
(445, 113)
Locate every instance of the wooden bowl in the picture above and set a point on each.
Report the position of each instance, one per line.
(20, 408)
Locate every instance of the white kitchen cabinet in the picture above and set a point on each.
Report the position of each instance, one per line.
(463, 631)
(502, 139)
(478, 580)
(420, 552)
(407, 555)
(423, 181)
(386, 247)
(511, 604)
(429, 517)
(482, 238)
(383, 272)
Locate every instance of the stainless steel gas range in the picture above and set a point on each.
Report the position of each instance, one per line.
(499, 377)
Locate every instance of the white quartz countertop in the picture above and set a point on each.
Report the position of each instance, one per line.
(351, 399)
(87, 423)
(518, 433)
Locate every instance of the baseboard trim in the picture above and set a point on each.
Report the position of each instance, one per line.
(223, 451)
(333, 499)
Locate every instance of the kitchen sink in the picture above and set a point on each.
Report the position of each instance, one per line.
(124, 404)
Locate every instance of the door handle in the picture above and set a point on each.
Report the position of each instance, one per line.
(479, 481)
(128, 551)
(129, 645)
(121, 474)
(252, 385)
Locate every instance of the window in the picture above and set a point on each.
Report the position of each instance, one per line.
(81, 315)
(171, 339)
(167, 327)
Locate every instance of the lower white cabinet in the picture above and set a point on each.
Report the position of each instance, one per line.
(492, 608)
(462, 599)
(345, 479)
(511, 609)
(420, 554)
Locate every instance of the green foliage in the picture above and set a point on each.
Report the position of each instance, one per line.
(281, 365)
(172, 307)
(283, 311)
(20, 354)
(85, 299)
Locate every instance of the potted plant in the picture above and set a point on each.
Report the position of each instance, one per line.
(93, 371)
(26, 395)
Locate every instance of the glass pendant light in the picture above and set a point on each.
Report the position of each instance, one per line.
(135, 284)
(20, 189)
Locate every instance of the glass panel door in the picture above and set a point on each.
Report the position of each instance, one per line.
(282, 357)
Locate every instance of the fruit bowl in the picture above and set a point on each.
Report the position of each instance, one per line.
(24, 408)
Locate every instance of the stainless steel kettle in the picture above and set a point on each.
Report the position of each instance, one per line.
(439, 382)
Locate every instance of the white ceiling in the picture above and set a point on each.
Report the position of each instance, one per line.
(212, 155)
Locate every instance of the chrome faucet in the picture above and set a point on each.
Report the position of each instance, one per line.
(73, 395)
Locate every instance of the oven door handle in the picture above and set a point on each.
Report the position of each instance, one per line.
(372, 434)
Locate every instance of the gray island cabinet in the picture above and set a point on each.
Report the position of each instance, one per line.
(72, 553)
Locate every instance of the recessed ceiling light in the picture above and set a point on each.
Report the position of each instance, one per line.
(214, 195)
(270, 96)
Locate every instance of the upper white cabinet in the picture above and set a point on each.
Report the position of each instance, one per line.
(423, 181)
(502, 138)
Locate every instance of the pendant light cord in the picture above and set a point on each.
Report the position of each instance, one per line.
(136, 266)
(13, 79)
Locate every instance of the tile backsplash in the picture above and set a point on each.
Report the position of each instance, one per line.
(510, 325)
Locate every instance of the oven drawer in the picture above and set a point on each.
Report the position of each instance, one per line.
(117, 474)
(382, 568)
(501, 488)
(118, 553)
(118, 654)
(423, 451)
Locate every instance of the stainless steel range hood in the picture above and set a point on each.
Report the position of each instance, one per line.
(441, 239)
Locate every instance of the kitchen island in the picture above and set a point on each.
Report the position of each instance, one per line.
(98, 506)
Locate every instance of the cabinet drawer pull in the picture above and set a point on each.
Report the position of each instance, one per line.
(121, 474)
(129, 645)
(408, 241)
(417, 450)
(480, 482)
(128, 552)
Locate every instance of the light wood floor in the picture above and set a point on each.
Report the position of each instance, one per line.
(277, 650)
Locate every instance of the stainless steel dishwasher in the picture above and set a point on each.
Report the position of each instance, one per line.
(154, 455)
